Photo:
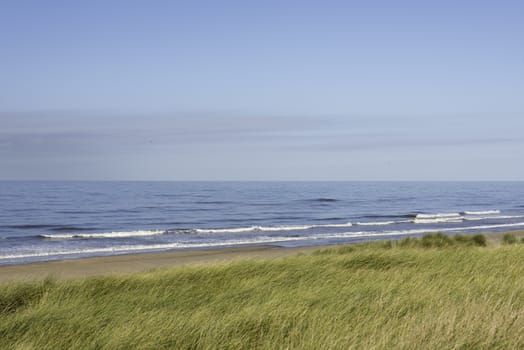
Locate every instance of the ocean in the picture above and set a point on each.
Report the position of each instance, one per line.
(62, 220)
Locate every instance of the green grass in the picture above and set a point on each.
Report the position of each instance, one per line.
(508, 238)
(430, 293)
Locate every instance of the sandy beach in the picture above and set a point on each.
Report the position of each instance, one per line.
(128, 263)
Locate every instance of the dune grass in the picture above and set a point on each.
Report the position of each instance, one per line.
(437, 292)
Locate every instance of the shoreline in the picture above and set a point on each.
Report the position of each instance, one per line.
(141, 262)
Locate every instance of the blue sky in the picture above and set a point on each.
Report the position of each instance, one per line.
(268, 90)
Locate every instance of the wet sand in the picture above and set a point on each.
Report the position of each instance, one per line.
(127, 263)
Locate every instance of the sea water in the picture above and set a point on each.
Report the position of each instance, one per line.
(60, 220)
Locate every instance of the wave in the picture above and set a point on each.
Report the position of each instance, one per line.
(228, 230)
(253, 240)
(269, 228)
(437, 218)
(438, 215)
(103, 234)
(123, 249)
(181, 245)
(462, 216)
(347, 224)
(421, 219)
(421, 231)
(481, 212)
(459, 217)
(139, 233)
(482, 227)
(497, 217)
(379, 223)
(152, 247)
(388, 216)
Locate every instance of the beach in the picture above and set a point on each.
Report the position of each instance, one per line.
(128, 263)
(140, 262)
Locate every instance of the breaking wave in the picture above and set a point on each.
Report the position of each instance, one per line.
(482, 212)
(420, 218)
(269, 228)
(104, 234)
(379, 223)
(253, 240)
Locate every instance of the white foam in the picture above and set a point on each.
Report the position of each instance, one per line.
(227, 230)
(159, 247)
(105, 234)
(414, 231)
(483, 227)
(198, 230)
(438, 220)
(438, 215)
(482, 212)
(421, 231)
(285, 228)
(251, 229)
(254, 240)
(495, 217)
(347, 224)
(419, 219)
(357, 234)
(378, 223)
(151, 247)
(269, 228)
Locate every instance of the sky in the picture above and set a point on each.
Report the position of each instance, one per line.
(261, 90)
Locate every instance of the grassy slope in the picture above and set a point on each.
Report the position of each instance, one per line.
(370, 296)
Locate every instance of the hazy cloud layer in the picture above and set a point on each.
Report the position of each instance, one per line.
(242, 146)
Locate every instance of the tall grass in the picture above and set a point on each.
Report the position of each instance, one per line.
(509, 239)
(408, 294)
